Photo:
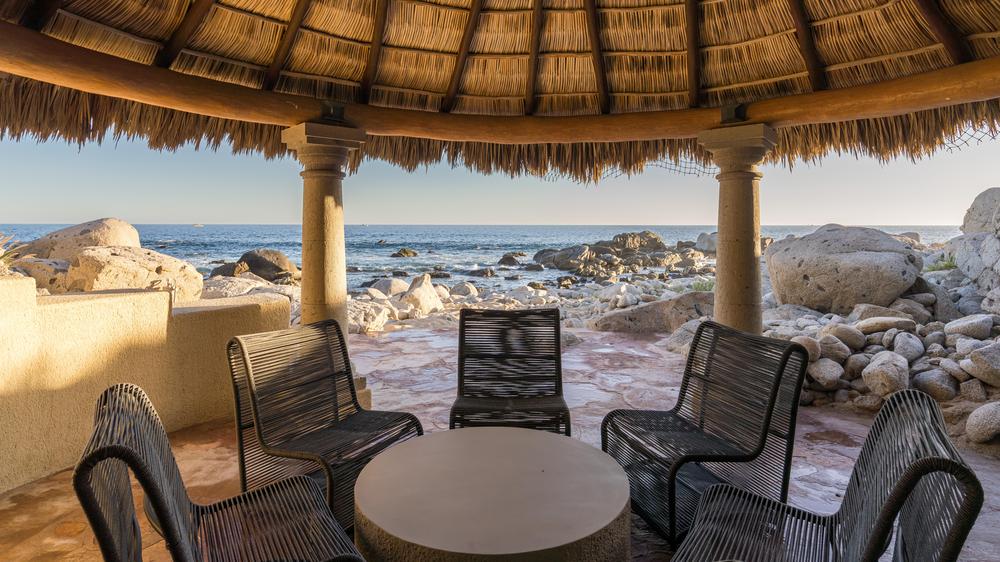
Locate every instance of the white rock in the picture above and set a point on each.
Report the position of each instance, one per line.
(659, 316)
(64, 244)
(220, 287)
(464, 289)
(422, 295)
(837, 267)
(366, 317)
(886, 373)
(375, 294)
(883, 323)
(126, 267)
(707, 242)
(977, 326)
(391, 286)
(983, 214)
(48, 274)
(984, 364)
(443, 292)
(984, 423)
(937, 383)
(851, 336)
(826, 373)
(908, 345)
(812, 346)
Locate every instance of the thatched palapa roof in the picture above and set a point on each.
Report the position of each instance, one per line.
(509, 58)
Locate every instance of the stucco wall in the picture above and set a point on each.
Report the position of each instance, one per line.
(58, 353)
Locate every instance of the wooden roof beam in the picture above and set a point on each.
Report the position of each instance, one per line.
(287, 40)
(33, 55)
(692, 16)
(536, 41)
(193, 18)
(597, 54)
(945, 31)
(448, 103)
(39, 13)
(807, 45)
(375, 50)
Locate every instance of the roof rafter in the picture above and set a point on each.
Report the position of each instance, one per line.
(463, 53)
(807, 45)
(692, 17)
(945, 31)
(40, 12)
(287, 40)
(594, 31)
(375, 50)
(536, 39)
(193, 18)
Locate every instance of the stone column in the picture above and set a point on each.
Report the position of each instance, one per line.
(737, 151)
(323, 150)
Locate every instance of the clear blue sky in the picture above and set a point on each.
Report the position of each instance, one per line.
(59, 183)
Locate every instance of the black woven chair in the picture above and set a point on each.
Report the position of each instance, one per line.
(908, 471)
(297, 412)
(510, 370)
(734, 422)
(288, 520)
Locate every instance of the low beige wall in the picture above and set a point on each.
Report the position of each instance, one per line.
(58, 353)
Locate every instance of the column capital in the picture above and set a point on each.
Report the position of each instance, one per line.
(740, 147)
(322, 134)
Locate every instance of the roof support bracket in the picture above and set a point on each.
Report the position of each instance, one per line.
(734, 114)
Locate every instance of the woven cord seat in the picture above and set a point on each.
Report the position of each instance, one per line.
(297, 412)
(734, 422)
(286, 520)
(510, 370)
(908, 471)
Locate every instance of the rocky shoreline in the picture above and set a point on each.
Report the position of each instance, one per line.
(876, 312)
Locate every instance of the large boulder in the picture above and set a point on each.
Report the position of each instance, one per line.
(48, 273)
(269, 264)
(977, 256)
(126, 267)
(565, 259)
(707, 242)
(422, 295)
(658, 316)
(837, 267)
(366, 316)
(64, 244)
(984, 213)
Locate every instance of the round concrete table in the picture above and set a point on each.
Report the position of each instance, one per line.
(488, 493)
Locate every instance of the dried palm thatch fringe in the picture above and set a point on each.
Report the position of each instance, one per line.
(314, 53)
(152, 20)
(238, 35)
(42, 111)
(85, 33)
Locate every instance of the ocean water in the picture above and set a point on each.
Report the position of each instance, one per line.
(456, 249)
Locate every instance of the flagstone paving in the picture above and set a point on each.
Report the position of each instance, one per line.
(414, 370)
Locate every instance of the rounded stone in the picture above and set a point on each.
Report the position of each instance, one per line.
(984, 423)
(811, 345)
(886, 373)
(939, 384)
(826, 373)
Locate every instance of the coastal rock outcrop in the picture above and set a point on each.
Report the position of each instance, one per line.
(838, 267)
(126, 267)
(422, 295)
(66, 243)
(628, 252)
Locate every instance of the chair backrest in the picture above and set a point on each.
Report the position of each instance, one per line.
(127, 435)
(908, 467)
(745, 389)
(287, 383)
(509, 353)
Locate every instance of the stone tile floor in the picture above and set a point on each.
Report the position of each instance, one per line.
(414, 370)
